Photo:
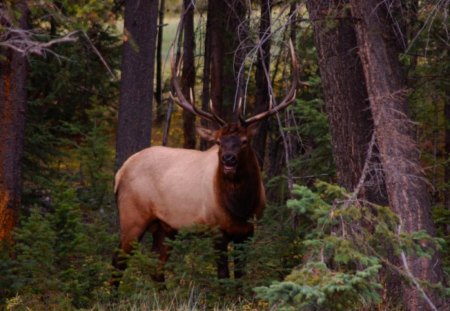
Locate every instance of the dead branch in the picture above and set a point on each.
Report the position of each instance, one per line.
(24, 41)
(411, 276)
(364, 173)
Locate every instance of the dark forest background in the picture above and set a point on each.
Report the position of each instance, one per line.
(357, 170)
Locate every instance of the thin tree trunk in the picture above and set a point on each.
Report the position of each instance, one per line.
(165, 139)
(206, 71)
(188, 73)
(136, 85)
(447, 149)
(13, 105)
(447, 155)
(226, 29)
(262, 86)
(405, 182)
(291, 141)
(159, 62)
(276, 152)
(217, 29)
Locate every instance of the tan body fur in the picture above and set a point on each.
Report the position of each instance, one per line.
(177, 187)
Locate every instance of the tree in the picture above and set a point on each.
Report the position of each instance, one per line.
(405, 181)
(136, 87)
(206, 71)
(345, 94)
(228, 28)
(262, 78)
(159, 62)
(348, 110)
(13, 104)
(188, 73)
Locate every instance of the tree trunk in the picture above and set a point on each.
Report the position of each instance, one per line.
(348, 110)
(447, 155)
(262, 80)
(136, 85)
(226, 30)
(13, 104)
(405, 181)
(447, 149)
(159, 62)
(206, 71)
(188, 73)
(345, 94)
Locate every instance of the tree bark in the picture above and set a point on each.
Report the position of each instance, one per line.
(206, 71)
(348, 109)
(136, 85)
(159, 61)
(345, 94)
(405, 181)
(13, 105)
(447, 156)
(226, 29)
(188, 72)
(261, 80)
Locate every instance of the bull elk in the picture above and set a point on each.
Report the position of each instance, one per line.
(162, 190)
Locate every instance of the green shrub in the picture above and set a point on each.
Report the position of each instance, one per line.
(56, 256)
(344, 249)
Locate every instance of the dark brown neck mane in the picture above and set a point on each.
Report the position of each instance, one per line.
(240, 195)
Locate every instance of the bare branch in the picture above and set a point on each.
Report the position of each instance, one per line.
(411, 276)
(24, 41)
(97, 52)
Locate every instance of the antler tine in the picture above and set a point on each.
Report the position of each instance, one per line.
(290, 97)
(218, 119)
(182, 101)
(239, 111)
(239, 107)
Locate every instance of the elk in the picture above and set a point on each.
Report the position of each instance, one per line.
(162, 190)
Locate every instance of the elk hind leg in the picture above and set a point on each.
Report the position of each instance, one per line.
(130, 232)
(159, 235)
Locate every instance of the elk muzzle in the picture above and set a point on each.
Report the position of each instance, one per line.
(229, 162)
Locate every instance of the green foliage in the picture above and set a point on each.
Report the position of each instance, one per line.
(192, 264)
(71, 99)
(314, 159)
(95, 158)
(344, 247)
(56, 255)
(193, 258)
(428, 66)
(35, 255)
(137, 278)
(190, 272)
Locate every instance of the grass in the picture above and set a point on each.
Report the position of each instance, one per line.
(158, 301)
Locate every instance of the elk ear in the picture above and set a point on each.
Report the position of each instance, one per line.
(252, 129)
(206, 134)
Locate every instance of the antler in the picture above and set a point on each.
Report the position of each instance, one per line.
(289, 99)
(183, 102)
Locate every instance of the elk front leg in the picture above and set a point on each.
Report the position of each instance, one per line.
(240, 258)
(221, 245)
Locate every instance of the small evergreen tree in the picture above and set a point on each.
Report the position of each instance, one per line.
(345, 246)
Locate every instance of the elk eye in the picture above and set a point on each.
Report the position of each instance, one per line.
(218, 142)
(244, 142)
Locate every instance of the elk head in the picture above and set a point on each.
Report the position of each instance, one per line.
(234, 147)
(232, 138)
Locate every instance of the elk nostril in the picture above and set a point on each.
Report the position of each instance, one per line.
(229, 159)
